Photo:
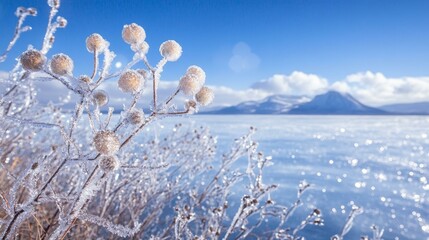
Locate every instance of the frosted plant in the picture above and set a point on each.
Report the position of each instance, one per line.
(70, 165)
(82, 173)
(349, 223)
(21, 13)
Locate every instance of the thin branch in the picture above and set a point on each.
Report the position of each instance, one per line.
(94, 71)
(18, 31)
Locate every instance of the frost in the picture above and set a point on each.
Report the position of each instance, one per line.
(63, 168)
(116, 229)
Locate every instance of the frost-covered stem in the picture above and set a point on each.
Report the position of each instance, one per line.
(349, 223)
(48, 34)
(135, 99)
(76, 209)
(232, 158)
(109, 117)
(236, 218)
(46, 229)
(89, 179)
(10, 91)
(50, 224)
(172, 96)
(91, 120)
(4, 199)
(148, 120)
(24, 76)
(174, 113)
(154, 91)
(94, 71)
(64, 82)
(9, 227)
(68, 229)
(18, 31)
(377, 233)
(76, 117)
(35, 199)
(146, 62)
(304, 223)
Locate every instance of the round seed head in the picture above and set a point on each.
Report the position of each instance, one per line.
(61, 64)
(32, 60)
(198, 72)
(85, 78)
(20, 10)
(133, 34)
(135, 117)
(95, 42)
(62, 22)
(205, 96)
(189, 85)
(32, 11)
(108, 163)
(54, 3)
(130, 81)
(106, 142)
(100, 97)
(170, 50)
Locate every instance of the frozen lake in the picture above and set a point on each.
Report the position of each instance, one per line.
(379, 163)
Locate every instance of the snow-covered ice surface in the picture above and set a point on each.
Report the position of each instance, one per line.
(377, 162)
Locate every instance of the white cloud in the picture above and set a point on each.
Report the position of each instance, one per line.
(375, 89)
(225, 96)
(297, 83)
(243, 58)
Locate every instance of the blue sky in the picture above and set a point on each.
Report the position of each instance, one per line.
(243, 43)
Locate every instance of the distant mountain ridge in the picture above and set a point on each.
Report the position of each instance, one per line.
(331, 102)
(276, 104)
(334, 102)
(407, 108)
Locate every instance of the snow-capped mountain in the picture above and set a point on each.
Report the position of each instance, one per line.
(276, 104)
(331, 102)
(334, 102)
